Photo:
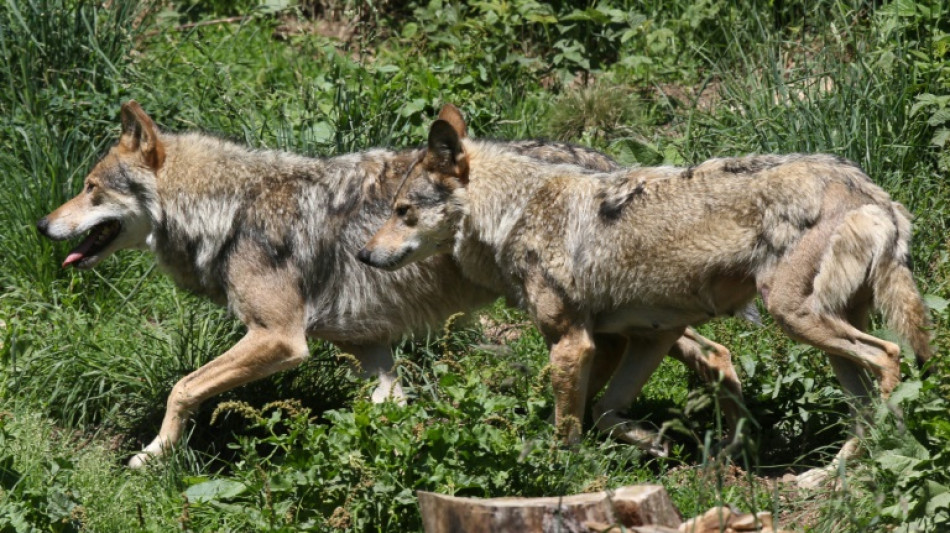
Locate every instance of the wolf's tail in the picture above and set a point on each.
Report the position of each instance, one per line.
(871, 248)
(895, 293)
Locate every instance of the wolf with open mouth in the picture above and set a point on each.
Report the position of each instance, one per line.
(273, 236)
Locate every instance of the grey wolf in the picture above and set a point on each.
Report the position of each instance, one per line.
(647, 252)
(272, 236)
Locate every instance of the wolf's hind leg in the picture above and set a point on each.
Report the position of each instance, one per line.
(376, 361)
(858, 384)
(819, 289)
(800, 305)
(608, 352)
(641, 359)
(712, 362)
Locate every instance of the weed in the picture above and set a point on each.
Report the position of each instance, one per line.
(88, 358)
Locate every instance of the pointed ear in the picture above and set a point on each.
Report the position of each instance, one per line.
(140, 134)
(445, 154)
(453, 116)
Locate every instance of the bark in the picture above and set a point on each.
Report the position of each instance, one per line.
(638, 505)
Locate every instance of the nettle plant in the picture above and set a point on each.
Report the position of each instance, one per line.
(936, 110)
(923, 28)
(475, 425)
(358, 468)
(553, 41)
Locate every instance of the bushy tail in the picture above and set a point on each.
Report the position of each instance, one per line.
(895, 293)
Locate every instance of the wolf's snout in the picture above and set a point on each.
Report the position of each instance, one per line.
(364, 256)
(42, 225)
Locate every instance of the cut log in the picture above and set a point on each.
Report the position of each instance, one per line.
(636, 505)
(600, 527)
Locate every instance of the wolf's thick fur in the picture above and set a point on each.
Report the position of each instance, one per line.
(647, 252)
(272, 235)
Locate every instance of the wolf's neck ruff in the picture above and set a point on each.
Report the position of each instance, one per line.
(502, 185)
(216, 198)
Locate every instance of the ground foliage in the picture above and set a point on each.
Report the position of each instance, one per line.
(88, 357)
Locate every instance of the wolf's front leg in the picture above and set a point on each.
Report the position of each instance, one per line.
(260, 353)
(642, 358)
(376, 361)
(572, 356)
(268, 300)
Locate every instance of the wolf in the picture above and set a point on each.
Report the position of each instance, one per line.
(273, 236)
(647, 252)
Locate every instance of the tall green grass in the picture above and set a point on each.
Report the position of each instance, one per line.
(61, 69)
(87, 358)
(850, 92)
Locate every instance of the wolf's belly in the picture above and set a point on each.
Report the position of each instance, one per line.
(723, 295)
(647, 318)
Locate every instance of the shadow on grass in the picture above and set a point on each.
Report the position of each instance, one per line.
(775, 444)
(320, 384)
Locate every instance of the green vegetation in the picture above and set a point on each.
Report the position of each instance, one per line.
(87, 358)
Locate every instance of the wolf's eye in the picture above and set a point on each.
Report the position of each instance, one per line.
(90, 187)
(402, 210)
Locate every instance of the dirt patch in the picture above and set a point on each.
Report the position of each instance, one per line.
(343, 30)
(798, 510)
(704, 97)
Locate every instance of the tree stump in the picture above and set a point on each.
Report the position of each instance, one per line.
(636, 505)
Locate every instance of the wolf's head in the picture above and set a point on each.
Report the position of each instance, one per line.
(427, 208)
(112, 209)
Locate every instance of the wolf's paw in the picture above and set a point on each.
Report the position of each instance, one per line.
(618, 427)
(155, 449)
(814, 478)
(389, 391)
(139, 460)
(645, 439)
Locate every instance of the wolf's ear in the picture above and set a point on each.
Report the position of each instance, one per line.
(445, 154)
(140, 134)
(453, 116)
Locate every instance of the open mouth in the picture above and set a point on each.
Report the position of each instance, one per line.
(100, 236)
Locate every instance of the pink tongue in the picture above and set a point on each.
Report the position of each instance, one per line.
(80, 251)
(72, 258)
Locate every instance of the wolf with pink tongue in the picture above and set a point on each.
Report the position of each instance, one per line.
(273, 236)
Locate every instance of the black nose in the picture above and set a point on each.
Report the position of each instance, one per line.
(42, 225)
(363, 255)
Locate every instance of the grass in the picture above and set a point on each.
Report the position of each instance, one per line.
(88, 358)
